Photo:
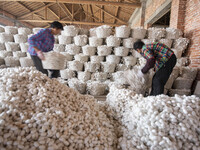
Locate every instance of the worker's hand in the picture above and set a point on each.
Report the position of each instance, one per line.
(40, 55)
(140, 74)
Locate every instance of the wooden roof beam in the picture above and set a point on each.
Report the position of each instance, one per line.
(52, 11)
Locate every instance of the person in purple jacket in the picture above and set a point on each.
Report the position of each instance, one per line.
(43, 42)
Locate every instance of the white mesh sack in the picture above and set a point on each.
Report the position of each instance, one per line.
(24, 31)
(96, 59)
(4, 37)
(2, 29)
(70, 31)
(113, 41)
(20, 38)
(122, 31)
(136, 54)
(67, 74)
(188, 72)
(182, 62)
(12, 61)
(128, 43)
(75, 65)
(89, 50)
(84, 76)
(103, 31)
(172, 33)
(19, 54)
(54, 61)
(119, 78)
(167, 42)
(24, 47)
(181, 43)
(72, 49)
(11, 46)
(2, 46)
(104, 50)
(4, 54)
(2, 62)
(113, 59)
(122, 67)
(94, 41)
(156, 33)
(93, 32)
(77, 85)
(36, 30)
(96, 88)
(59, 48)
(129, 60)
(81, 57)
(68, 57)
(139, 33)
(108, 67)
(148, 41)
(92, 67)
(178, 53)
(30, 35)
(11, 30)
(62, 39)
(99, 76)
(80, 40)
(121, 51)
(26, 62)
(83, 31)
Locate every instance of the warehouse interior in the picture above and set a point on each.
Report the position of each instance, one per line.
(74, 76)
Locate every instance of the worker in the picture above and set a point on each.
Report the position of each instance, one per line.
(161, 58)
(43, 42)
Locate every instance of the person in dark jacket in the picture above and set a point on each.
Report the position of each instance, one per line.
(161, 58)
(42, 42)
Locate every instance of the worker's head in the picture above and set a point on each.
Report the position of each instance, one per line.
(56, 27)
(138, 45)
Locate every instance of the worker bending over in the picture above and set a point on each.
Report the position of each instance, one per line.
(42, 42)
(161, 58)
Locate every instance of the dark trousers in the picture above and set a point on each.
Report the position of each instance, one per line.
(38, 64)
(162, 75)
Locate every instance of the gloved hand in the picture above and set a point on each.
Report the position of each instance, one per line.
(140, 74)
(40, 55)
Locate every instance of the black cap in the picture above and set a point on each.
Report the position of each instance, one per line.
(56, 25)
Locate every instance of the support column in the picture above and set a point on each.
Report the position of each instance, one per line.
(143, 7)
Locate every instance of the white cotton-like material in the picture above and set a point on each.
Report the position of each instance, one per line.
(70, 31)
(11, 30)
(129, 60)
(81, 57)
(75, 65)
(96, 88)
(24, 47)
(136, 54)
(4, 37)
(80, 40)
(108, 67)
(181, 43)
(2, 46)
(129, 42)
(2, 62)
(72, 49)
(84, 76)
(156, 33)
(121, 51)
(93, 32)
(2, 29)
(99, 76)
(11, 46)
(36, 30)
(77, 85)
(119, 77)
(104, 50)
(188, 72)
(182, 83)
(4, 53)
(167, 42)
(12, 61)
(95, 41)
(96, 59)
(122, 67)
(20, 38)
(113, 59)
(113, 41)
(26, 62)
(67, 74)
(92, 67)
(59, 48)
(68, 57)
(62, 39)
(181, 92)
(177, 52)
(19, 54)
(54, 61)
(142, 61)
(184, 61)
(28, 55)
(24, 31)
(89, 50)
(172, 33)
(122, 31)
(148, 41)
(103, 31)
(139, 33)
(83, 31)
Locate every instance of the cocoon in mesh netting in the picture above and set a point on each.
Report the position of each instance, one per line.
(156, 33)
(25, 31)
(104, 50)
(67, 74)
(26, 62)
(178, 53)
(182, 83)
(2, 62)
(184, 61)
(70, 31)
(113, 41)
(188, 72)
(84, 76)
(19, 54)
(68, 57)
(89, 50)
(42, 119)
(11, 30)
(121, 51)
(129, 60)
(172, 33)
(103, 31)
(139, 33)
(24, 47)
(11, 46)
(2, 29)
(167, 42)
(92, 67)
(108, 67)
(122, 31)
(4, 54)
(122, 67)
(36, 30)
(83, 31)
(181, 43)
(75, 65)
(12, 61)
(72, 49)
(4, 37)
(119, 77)
(93, 32)
(81, 57)
(54, 60)
(77, 85)
(113, 59)
(2, 46)
(148, 41)
(62, 39)
(95, 41)
(96, 59)
(20, 38)
(96, 88)
(80, 40)
(59, 47)
(99, 76)
(128, 43)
